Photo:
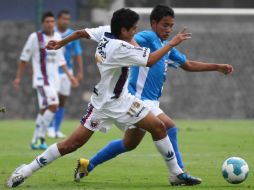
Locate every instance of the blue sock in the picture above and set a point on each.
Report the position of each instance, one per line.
(110, 151)
(59, 118)
(172, 134)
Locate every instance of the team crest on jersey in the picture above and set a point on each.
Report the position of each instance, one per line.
(94, 123)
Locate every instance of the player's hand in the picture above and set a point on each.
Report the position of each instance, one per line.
(180, 37)
(54, 45)
(74, 82)
(225, 68)
(80, 76)
(16, 83)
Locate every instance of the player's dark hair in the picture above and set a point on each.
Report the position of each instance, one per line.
(123, 18)
(160, 11)
(63, 12)
(46, 15)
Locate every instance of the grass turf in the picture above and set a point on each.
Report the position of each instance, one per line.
(204, 146)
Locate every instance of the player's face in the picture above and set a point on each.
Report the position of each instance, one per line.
(48, 24)
(164, 27)
(64, 21)
(127, 35)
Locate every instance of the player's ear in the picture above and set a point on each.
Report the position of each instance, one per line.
(153, 23)
(123, 31)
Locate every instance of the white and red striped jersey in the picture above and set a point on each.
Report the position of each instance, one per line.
(45, 62)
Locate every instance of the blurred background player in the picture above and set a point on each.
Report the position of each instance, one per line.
(146, 84)
(72, 54)
(45, 75)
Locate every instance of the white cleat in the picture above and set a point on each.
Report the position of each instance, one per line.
(184, 179)
(18, 176)
(60, 135)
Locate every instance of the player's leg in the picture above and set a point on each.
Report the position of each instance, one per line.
(132, 138)
(162, 142)
(48, 102)
(172, 134)
(54, 130)
(59, 117)
(157, 129)
(78, 138)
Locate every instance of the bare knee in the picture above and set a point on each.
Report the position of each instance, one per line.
(130, 145)
(159, 131)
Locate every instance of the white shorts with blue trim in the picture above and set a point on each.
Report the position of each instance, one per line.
(125, 112)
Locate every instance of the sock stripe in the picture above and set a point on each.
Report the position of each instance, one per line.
(38, 163)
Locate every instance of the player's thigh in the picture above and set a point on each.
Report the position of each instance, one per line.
(132, 138)
(152, 124)
(96, 120)
(168, 122)
(65, 86)
(78, 138)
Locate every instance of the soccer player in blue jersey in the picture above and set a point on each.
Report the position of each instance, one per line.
(146, 84)
(72, 54)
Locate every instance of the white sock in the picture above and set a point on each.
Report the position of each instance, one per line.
(164, 146)
(37, 128)
(48, 156)
(47, 118)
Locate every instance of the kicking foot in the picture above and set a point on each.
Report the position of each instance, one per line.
(184, 179)
(18, 176)
(81, 169)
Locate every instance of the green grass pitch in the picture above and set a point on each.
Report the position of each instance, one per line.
(204, 146)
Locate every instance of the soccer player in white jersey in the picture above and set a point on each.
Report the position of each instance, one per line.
(45, 75)
(146, 84)
(72, 54)
(111, 103)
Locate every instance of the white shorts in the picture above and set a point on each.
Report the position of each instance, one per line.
(65, 85)
(47, 95)
(125, 112)
(153, 105)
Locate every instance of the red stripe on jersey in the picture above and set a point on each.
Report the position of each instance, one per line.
(42, 58)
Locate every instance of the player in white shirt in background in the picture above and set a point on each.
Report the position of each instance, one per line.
(111, 103)
(73, 55)
(45, 75)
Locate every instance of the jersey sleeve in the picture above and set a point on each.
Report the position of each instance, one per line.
(129, 55)
(176, 58)
(77, 50)
(60, 57)
(143, 39)
(97, 33)
(29, 47)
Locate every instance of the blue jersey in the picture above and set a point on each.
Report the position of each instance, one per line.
(147, 83)
(71, 49)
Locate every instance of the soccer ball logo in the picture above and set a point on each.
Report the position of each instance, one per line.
(235, 170)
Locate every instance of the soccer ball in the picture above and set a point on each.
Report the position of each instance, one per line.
(235, 170)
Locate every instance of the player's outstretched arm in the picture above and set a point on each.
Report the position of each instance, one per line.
(20, 71)
(54, 44)
(157, 55)
(197, 66)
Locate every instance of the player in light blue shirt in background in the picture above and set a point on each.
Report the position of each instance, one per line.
(72, 54)
(147, 83)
